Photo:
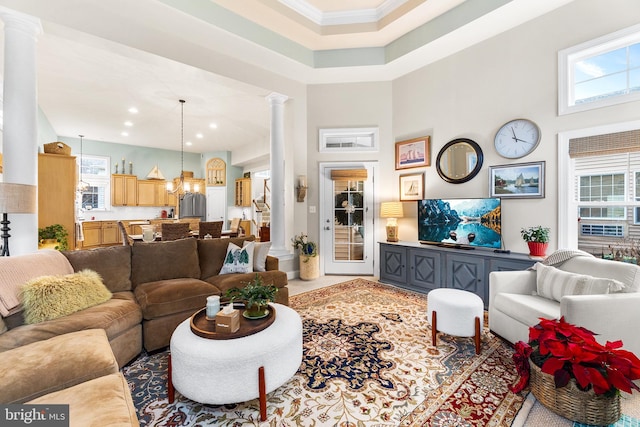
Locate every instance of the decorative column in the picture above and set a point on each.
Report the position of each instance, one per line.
(276, 102)
(20, 133)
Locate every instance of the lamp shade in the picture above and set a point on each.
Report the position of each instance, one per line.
(391, 210)
(17, 198)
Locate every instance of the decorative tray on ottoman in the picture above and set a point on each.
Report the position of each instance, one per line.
(205, 328)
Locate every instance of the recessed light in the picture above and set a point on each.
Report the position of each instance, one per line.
(128, 123)
(125, 134)
(133, 110)
(199, 135)
(189, 143)
(213, 126)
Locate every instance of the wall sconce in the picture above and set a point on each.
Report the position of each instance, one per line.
(392, 211)
(302, 188)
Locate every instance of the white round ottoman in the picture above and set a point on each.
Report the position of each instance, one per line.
(236, 370)
(455, 312)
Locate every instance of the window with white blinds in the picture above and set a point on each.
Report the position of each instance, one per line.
(608, 194)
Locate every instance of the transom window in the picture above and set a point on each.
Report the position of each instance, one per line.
(348, 139)
(600, 72)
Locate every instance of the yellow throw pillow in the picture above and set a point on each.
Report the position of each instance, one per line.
(50, 297)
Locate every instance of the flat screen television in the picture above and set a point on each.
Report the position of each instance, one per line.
(464, 223)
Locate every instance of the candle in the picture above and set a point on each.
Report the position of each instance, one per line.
(213, 306)
(302, 181)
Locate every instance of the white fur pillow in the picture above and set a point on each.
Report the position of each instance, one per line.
(238, 260)
(553, 283)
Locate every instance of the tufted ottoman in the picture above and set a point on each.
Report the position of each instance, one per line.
(236, 370)
(455, 312)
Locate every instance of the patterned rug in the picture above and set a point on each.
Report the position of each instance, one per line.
(367, 361)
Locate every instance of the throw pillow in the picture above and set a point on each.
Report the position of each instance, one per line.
(260, 252)
(238, 260)
(50, 297)
(552, 283)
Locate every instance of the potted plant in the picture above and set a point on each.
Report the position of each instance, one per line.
(309, 260)
(256, 297)
(537, 239)
(566, 366)
(53, 236)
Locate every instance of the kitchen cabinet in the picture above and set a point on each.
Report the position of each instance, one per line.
(124, 190)
(57, 193)
(153, 192)
(147, 193)
(163, 197)
(100, 233)
(110, 233)
(92, 231)
(422, 268)
(243, 192)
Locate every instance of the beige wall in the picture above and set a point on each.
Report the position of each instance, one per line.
(471, 94)
(348, 105)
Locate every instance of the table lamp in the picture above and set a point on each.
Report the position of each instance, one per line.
(14, 198)
(392, 211)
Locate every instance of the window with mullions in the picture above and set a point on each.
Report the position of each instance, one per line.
(600, 72)
(94, 170)
(602, 188)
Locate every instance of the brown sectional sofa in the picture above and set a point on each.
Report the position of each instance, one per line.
(155, 286)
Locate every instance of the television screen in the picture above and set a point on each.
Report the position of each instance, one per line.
(460, 222)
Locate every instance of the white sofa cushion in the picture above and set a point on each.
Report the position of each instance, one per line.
(527, 309)
(553, 283)
(628, 274)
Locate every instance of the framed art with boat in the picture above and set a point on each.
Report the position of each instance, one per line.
(521, 180)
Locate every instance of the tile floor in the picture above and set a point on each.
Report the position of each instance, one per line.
(297, 286)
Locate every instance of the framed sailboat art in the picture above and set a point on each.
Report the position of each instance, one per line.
(521, 180)
(412, 187)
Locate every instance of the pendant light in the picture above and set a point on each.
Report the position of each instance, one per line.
(82, 185)
(181, 185)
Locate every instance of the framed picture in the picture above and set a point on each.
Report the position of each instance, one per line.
(413, 153)
(412, 187)
(522, 180)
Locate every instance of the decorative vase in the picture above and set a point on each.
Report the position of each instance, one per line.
(537, 248)
(570, 402)
(309, 267)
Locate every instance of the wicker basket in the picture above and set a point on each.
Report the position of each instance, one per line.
(57, 148)
(570, 402)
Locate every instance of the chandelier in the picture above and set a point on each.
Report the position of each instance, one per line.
(82, 185)
(182, 186)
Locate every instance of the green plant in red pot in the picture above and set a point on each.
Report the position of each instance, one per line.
(537, 239)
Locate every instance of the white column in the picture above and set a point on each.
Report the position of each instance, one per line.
(20, 111)
(276, 102)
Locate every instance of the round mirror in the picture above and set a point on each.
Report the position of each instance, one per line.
(459, 160)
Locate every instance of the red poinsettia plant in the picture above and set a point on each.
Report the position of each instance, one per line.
(567, 351)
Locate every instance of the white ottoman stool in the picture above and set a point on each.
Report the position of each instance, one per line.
(236, 370)
(455, 312)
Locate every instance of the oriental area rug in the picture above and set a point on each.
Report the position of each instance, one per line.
(367, 361)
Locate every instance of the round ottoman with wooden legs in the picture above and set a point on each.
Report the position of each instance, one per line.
(455, 312)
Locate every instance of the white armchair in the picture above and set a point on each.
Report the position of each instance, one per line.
(515, 305)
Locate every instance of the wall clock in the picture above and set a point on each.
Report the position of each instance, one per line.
(517, 138)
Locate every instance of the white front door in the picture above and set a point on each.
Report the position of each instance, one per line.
(346, 219)
(217, 204)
